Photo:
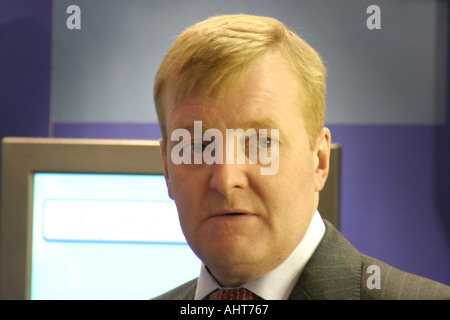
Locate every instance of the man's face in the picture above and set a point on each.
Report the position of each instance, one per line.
(241, 223)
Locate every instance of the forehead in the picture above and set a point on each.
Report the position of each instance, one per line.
(269, 90)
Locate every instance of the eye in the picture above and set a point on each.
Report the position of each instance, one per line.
(193, 147)
(198, 147)
(259, 142)
(265, 142)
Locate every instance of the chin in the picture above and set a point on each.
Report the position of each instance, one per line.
(232, 254)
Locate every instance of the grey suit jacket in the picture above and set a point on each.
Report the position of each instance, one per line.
(337, 270)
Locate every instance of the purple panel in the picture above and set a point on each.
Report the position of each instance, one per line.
(391, 204)
(25, 48)
(107, 130)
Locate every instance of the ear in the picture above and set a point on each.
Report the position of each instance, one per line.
(322, 158)
(163, 150)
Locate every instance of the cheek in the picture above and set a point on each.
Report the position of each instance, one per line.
(294, 186)
(179, 192)
(297, 170)
(186, 191)
(176, 179)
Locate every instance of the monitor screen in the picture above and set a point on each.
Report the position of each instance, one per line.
(106, 236)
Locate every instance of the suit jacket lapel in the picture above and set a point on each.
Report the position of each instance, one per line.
(189, 294)
(333, 272)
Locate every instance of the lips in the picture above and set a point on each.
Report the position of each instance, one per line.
(231, 213)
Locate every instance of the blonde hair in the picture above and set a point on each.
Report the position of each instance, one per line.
(213, 56)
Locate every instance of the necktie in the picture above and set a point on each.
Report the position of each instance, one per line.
(233, 294)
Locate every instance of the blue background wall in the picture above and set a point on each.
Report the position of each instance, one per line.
(396, 176)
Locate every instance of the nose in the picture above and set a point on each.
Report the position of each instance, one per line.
(230, 174)
(227, 178)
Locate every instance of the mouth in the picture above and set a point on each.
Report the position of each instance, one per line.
(232, 213)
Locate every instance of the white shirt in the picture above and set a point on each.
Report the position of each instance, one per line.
(278, 283)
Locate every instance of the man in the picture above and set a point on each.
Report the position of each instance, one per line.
(261, 232)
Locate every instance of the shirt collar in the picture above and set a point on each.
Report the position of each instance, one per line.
(278, 283)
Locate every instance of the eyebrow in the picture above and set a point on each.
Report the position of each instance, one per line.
(260, 124)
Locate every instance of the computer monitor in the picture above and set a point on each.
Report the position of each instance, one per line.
(88, 219)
